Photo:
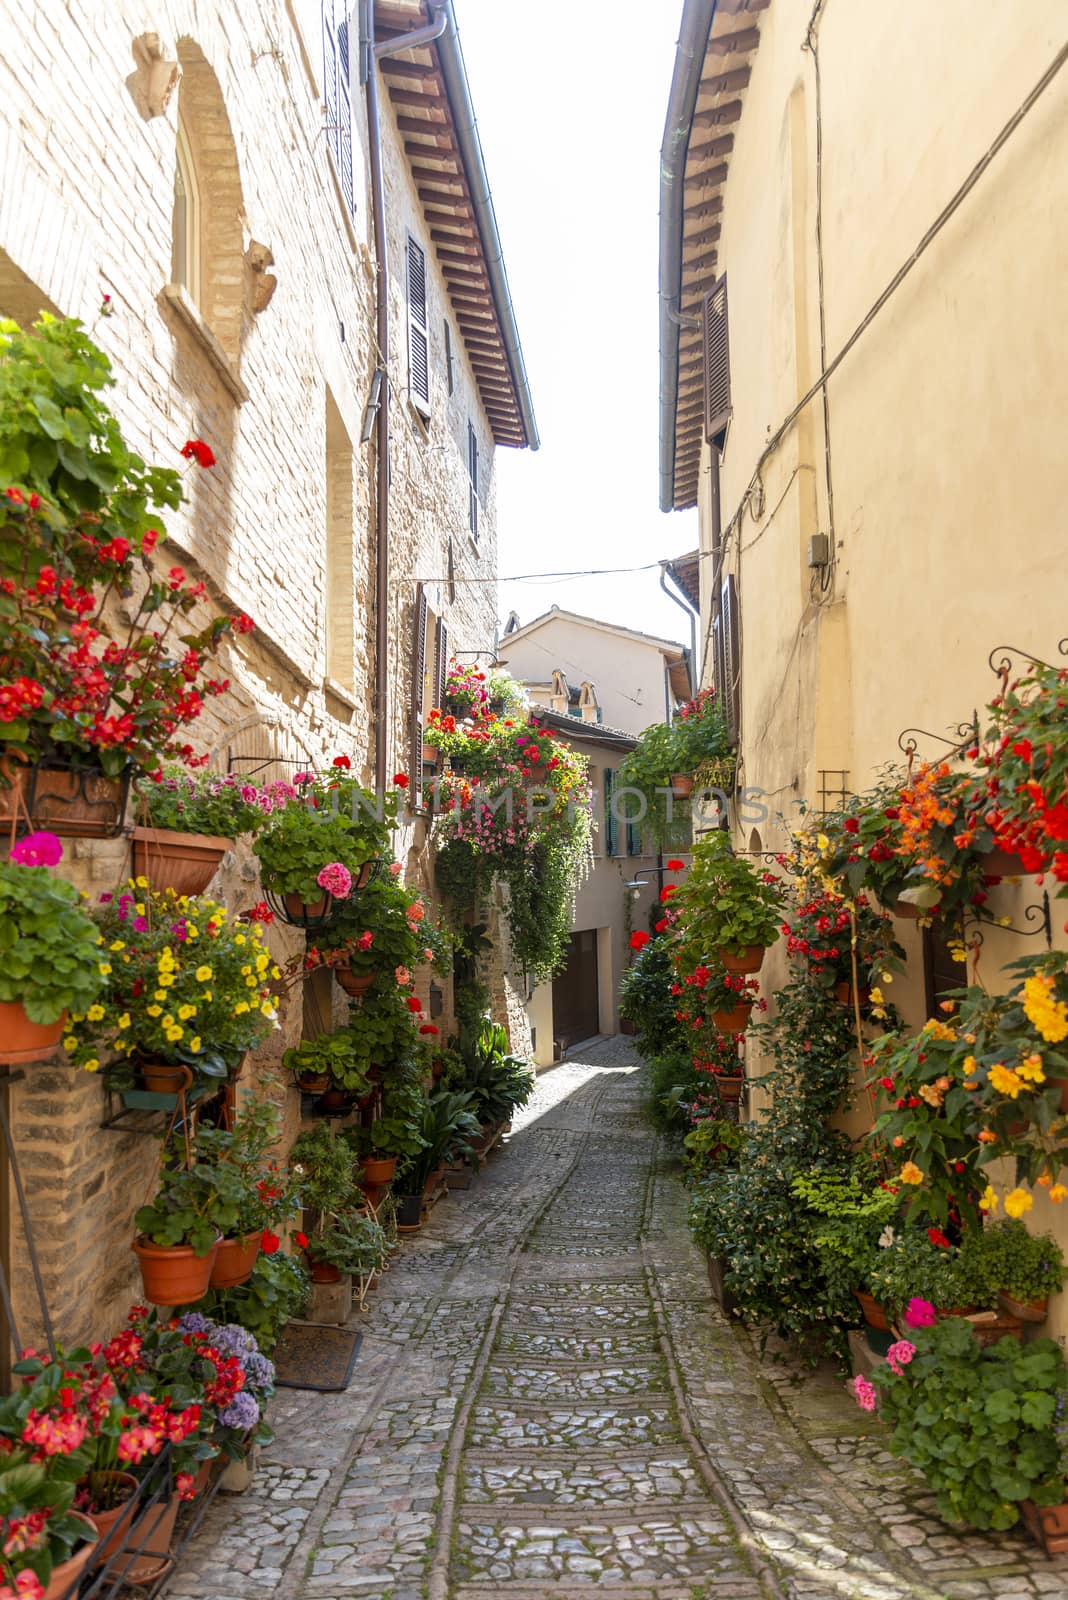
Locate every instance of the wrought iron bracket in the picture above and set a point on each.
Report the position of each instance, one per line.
(1037, 913)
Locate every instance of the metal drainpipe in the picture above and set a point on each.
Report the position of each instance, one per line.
(684, 605)
(409, 41)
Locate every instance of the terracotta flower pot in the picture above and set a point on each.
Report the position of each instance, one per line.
(378, 1169)
(324, 1272)
(78, 804)
(184, 862)
(158, 1078)
(998, 864)
(682, 784)
(335, 1100)
(1026, 1310)
(22, 1040)
(65, 1576)
(298, 910)
(730, 1088)
(843, 993)
(1047, 1525)
(874, 1314)
(173, 1275)
(234, 1261)
(313, 1082)
(153, 1541)
(112, 1526)
(736, 1020)
(354, 983)
(749, 960)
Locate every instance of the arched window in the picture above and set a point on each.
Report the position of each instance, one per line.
(185, 236)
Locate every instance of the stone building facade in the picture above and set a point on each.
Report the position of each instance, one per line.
(202, 170)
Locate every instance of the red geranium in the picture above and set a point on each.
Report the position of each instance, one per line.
(638, 940)
(400, 780)
(196, 450)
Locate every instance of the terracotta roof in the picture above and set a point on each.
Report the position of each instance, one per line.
(588, 732)
(686, 571)
(429, 93)
(732, 42)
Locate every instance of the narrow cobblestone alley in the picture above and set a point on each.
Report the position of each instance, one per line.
(547, 1399)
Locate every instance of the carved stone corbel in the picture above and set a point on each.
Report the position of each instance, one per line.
(262, 284)
(156, 78)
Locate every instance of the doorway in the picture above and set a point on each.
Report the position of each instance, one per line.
(576, 1002)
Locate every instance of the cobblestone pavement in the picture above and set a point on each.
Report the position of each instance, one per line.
(547, 1404)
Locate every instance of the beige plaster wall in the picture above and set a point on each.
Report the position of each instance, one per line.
(946, 461)
(626, 673)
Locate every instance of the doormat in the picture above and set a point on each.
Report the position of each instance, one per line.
(312, 1355)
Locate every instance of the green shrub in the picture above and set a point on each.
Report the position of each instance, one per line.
(645, 999)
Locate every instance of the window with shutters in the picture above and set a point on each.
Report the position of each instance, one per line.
(450, 367)
(337, 93)
(634, 838)
(430, 667)
(717, 364)
(418, 333)
(472, 474)
(611, 822)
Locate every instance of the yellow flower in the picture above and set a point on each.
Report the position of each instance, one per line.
(1005, 1081)
(174, 1034)
(262, 963)
(969, 1066)
(207, 995)
(92, 1064)
(141, 883)
(185, 1012)
(194, 1044)
(1048, 1016)
(203, 974)
(1018, 1202)
(70, 1042)
(877, 997)
(275, 972)
(192, 931)
(931, 1094)
(822, 842)
(1030, 1068)
(155, 1011)
(239, 938)
(94, 1014)
(910, 1173)
(124, 1020)
(117, 944)
(252, 982)
(241, 1007)
(988, 1200)
(267, 1008)
(100, 938)
(167, 980)
(159, 994)
(1044, 1180)
(245, 971)
(139, 907)
(168, 1021)
(1057, 1193)
(105, 968)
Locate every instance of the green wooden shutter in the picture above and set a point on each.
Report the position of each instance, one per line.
(611, 826)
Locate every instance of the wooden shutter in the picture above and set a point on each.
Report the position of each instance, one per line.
(337, 94)
(611, 826)
(717, 364)
(450, 369)
(472, 471)
(415, 758)
(418, 335)
(441, 671)
(732, 658)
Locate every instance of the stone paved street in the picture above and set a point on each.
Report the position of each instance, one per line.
(548, 1403)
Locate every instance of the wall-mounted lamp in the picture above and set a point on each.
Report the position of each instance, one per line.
(370, 410)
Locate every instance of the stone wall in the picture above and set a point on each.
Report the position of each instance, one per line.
(283, 526)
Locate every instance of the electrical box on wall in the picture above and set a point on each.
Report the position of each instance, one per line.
(819, 550)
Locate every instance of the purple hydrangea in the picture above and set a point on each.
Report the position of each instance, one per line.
(259, 1371)
(193, 1322)
(233, 1340)
(243, 1412)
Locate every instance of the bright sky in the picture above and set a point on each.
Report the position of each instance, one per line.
(570, 97)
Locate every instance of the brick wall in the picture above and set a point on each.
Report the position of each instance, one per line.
(87, 165)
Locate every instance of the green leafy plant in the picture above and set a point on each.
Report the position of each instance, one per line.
(49, 958)
(335, 1054)
(193, 1206)
(323, 1167)
(852, 1214)
(38, 1486)
(920, 1263)
(1027, 1266)
(381, 928)
(977, 1421)
(276, 1292)
(448, 1128)
(725, 903)
(354, 1242)
(269, 1197)
(331, 820)
(208, 802)
(712, 1143)
(699, 733)
(498, 1082)
(645, 998)
(397, 1131)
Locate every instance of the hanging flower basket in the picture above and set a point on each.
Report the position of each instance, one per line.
(354, 983)
(736, 1020)
(234, 1261)
(173, 1275)
(77, 802)
(184, 862)
(729, 1088)
(843, 993)
(749, 959)
(22, 1040)
(682, 784)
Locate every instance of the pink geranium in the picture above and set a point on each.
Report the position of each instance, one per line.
(395, 869)
(416, 911)
(37, 850)
(864, 1393)
(920, 1313)
(336, 880)
(403, 976)
(900, 1354)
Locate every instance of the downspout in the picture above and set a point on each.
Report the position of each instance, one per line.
(375, 52)
(684, 605)
(686, 81)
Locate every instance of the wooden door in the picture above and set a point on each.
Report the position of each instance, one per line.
(576, 1009)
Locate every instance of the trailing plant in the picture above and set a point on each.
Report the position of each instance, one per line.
(647, 771)
(79, 531)
(977, 1421)
(184, 984)
(1027, 1266)
(852, 1210)
(50, 961)
(208, 802)
(381, 928)
(699, 733)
